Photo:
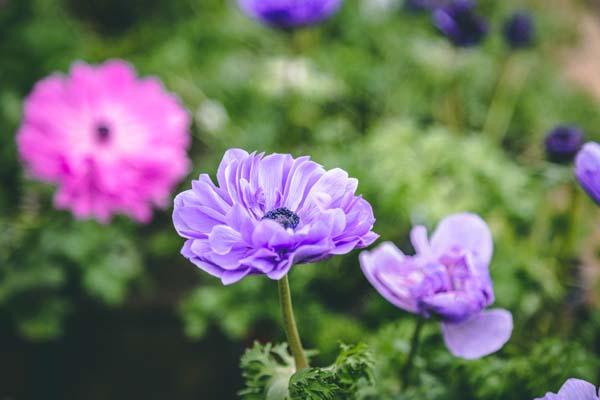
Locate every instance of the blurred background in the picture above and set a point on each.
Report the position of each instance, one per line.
(93, 311)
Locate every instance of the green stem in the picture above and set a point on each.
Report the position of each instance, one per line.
(289, 322)
(569, 244)
(513, 75)
(414, 349)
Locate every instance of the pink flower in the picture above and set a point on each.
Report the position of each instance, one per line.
(111, 142)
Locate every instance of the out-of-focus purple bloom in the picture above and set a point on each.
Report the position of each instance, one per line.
(287, 14)
(421, 5)
(519, 30)
(448, 278)
(460, 23)
(269, 213)
(574, 389)
(563, 142)
(587, 169)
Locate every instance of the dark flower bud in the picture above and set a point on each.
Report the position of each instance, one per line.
(563, 142)
(460, 23)
(519, 30)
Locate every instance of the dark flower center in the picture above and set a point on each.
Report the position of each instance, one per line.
(102, 133)
(284, 217)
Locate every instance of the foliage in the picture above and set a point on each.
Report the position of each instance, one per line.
(427, 129)
(268, 371)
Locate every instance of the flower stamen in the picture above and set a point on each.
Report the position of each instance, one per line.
(102, 133)
(284, 217)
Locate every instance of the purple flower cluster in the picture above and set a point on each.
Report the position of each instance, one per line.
(447, 278)
(269, 213)
(287, 14)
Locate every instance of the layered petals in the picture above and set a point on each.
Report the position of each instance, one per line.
(111, 142)
(269, 213)
(449, 278)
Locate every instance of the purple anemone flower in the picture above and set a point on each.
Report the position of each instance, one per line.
(447, 278)
(574, 389)
(269, 213)
(587, 169)
(460, 23)
(519, 30)
(287, 14)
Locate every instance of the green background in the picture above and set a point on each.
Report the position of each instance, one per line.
(91, 311)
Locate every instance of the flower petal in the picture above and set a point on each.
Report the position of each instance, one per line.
(229, 277)
(383, 269)
(480, 335)
(271, 178)
(418, 238)
(223, 238)
(577, 389)
(574, 389)
(587, 169)
(464, 231)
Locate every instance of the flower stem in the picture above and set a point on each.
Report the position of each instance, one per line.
(414, 348)
(570, 243)
(289, 322)
(509, 84)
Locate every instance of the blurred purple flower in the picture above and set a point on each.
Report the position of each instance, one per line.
(448, 278)
(519, 30)
(113, 143)
(563, 142)
(460, 23)
(269, 213)
(287, 14)
(421, 5)
(574, 389)
(587, 169)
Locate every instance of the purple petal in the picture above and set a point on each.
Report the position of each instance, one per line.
(207, 194)
(271, 178)
(480, 335)
(577, 389)
(229, 277)
(333, 183)
(302, 177)
(418, 238)
(574, 389)
(382, 267)
(311, 253)
(223, 238)
(587, 170)
(464, 231)
(280, 270)
(455, 306)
